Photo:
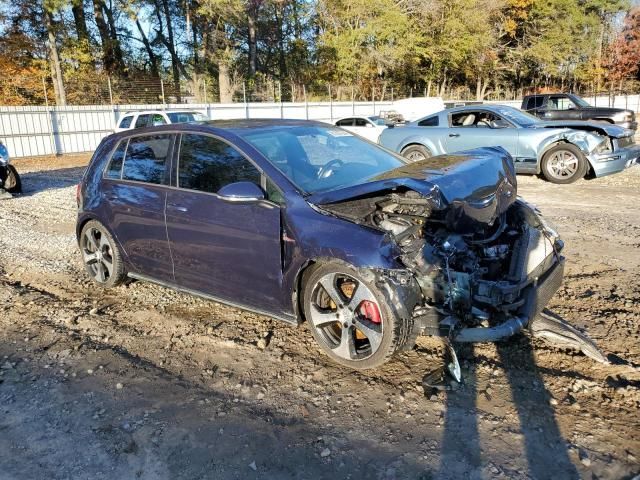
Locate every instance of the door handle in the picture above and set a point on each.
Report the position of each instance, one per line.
(454, 134)
(178, 208)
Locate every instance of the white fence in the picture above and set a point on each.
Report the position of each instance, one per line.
(31, 131)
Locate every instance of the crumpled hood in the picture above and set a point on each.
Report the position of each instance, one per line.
(473, 187)
(602, 128)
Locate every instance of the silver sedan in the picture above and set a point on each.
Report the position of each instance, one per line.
(562, 151)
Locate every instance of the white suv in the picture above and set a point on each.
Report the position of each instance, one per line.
(153, 118)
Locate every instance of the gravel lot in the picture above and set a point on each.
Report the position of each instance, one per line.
(144, 382)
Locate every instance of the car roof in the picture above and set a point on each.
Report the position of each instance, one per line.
(146, 112)
(217, 126)
(484, 106)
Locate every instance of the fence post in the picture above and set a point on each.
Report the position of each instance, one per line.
(391, 94)
(306, 103)
(353, 101)
(373, 97)
(244, 99)
(54, 149)
(164, 104)
(280, 95)
(330, 104)
(206, 102)
(113, 108)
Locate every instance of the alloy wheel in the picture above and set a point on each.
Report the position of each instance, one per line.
(347, 316)
(97, 254)
(563, 164)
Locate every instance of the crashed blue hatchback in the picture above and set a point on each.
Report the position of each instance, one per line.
(305, 222)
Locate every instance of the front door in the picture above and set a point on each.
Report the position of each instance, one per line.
(135, 188)
(226, 249)
(480, 128)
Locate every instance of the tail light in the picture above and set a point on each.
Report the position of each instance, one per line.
(78, 189)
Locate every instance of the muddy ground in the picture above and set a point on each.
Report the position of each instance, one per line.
(144, 382)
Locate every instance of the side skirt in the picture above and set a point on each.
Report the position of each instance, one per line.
(285, 318)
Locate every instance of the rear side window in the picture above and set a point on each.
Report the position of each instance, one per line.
(146, 158)
(157, 119)
(126, 121)
(114, 170)
(142, 121)
(429, 122)
(534, 102)
(361, 122)
(207, 164)
(347, 122)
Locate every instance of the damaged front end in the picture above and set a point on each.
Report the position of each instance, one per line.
(485, 262)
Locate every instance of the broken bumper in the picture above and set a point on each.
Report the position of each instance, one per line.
(606, 164)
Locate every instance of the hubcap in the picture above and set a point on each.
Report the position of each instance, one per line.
(563, 164)
(97, 255)
(415, 156)
(347, 316)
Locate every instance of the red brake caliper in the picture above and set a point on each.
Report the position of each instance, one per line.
(370, 311)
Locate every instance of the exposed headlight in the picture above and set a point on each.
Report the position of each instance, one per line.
(604, 147)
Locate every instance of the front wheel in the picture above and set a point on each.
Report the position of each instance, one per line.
(100, 255)
(564, 164)
(416, 153)
(349, 318)
(12, 183)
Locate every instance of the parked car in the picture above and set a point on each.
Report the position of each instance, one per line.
(568, 106)
(367, 127)
(300, 220)
(154, 118)
(10, 182)
(562, 151)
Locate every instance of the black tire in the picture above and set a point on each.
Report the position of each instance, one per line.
(106, 268)
(392, 334)
(558, 164)
(12, 182)
(416, 153)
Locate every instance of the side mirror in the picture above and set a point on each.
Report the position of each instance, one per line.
(241, 192)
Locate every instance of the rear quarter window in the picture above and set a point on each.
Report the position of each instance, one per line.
(114, 169)
(126, 122)
(429, 122)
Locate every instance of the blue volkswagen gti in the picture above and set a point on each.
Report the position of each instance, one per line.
(303, 221)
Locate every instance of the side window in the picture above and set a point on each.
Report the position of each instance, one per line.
(429, 122)
(114, 169)
(142, 121)
(126, 122)
(560, 103)
(361, 122)
(346, 122)
(273, 193)
(464, 119)
(207, 164)
(157, 120)
(145, 159)
(534, 102)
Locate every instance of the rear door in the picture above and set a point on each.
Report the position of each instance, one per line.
(135, 186)
(226, 249)
(480, 128)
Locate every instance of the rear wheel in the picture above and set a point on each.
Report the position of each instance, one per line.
(564, 163)
(12, 184)
(416, 153)
(349, 318)
(100, 255)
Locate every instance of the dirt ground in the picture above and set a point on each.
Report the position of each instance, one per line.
(143, 382)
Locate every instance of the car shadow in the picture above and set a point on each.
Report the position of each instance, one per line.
(43, 180)
(545, 449)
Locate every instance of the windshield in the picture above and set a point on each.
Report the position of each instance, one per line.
(581, 102)
(378, 121)
(184, 117)
(317, 158)
(520, 118)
